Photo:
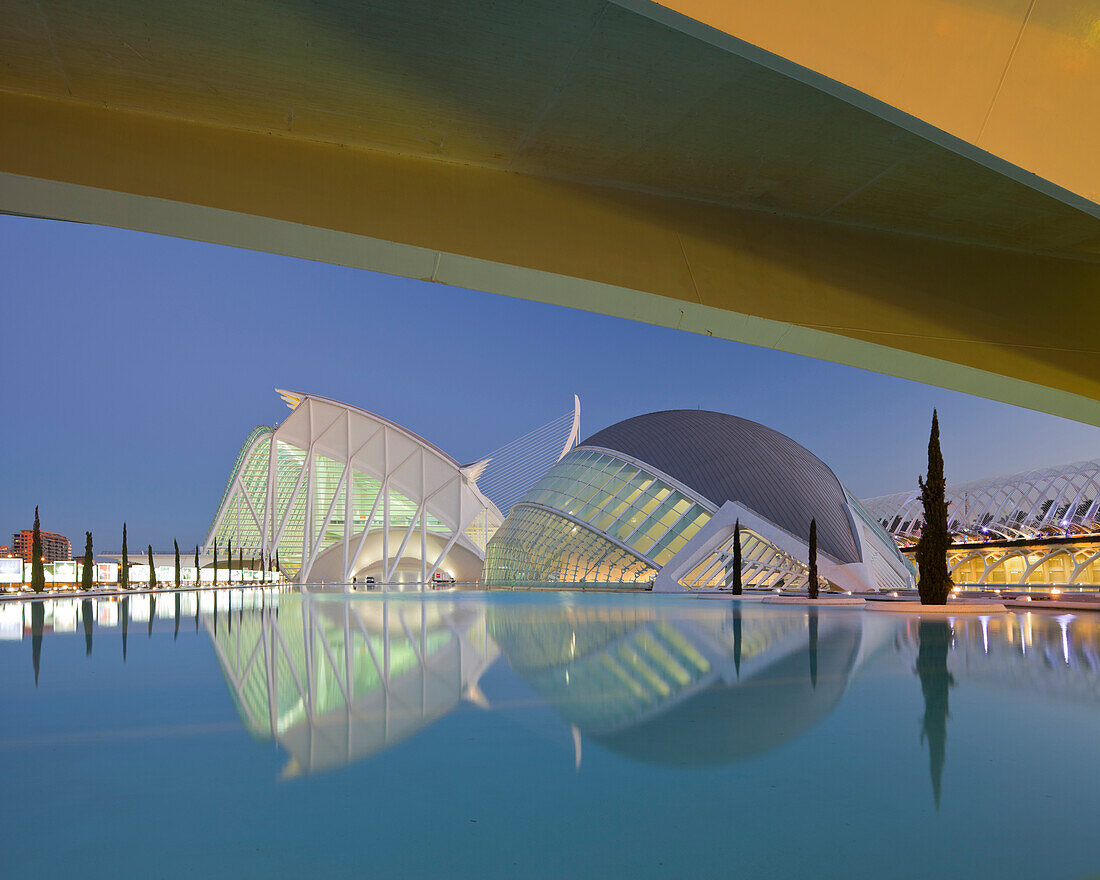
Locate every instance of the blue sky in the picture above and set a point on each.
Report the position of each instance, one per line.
(134, 365)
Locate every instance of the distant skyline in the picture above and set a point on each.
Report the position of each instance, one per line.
(136, 364)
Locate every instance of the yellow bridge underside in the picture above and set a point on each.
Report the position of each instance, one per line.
(737, 170)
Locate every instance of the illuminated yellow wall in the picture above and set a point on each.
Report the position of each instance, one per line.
(1013, 77)
(1055, 566)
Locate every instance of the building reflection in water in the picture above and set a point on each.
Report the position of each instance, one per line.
(335, 680)
(708, 685)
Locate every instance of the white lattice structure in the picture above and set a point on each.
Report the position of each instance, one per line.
(515, 467)
(1040, 503)
(338, 492)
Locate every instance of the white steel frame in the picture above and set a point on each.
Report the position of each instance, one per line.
(1009, 507)
(368, 444)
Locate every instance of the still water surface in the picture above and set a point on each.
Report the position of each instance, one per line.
(543, 735)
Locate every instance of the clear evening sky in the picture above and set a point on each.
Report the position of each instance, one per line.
(134, 365)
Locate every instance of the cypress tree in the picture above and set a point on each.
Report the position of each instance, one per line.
(215, 562)
(735, 587)
(179, 573)
(934, 580)
(812, 587)
(124, 573)
(38, 572)
(278, 567)
(86, 575)
(240, 563)
(152, 571)
(198, 579)
(229, 562)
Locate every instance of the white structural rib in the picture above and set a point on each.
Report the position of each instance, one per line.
(348, 474)
(1054, 500)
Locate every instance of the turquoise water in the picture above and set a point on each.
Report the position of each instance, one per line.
(543, 735)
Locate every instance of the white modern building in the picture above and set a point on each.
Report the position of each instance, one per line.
(652, 503)
(1040, 528)
(337, 493)
(1062, 500)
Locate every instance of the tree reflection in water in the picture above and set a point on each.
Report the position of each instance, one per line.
(935, 682)
(736, 613)
(334, 681)
(87, 612)
(812, 638)
(38, 619)
(124, 619)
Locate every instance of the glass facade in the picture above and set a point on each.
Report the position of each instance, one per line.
(598, 517)
(239, 522)
(622, 500)
(537, 547)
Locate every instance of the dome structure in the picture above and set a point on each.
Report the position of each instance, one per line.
(652, 501)
(726, 458)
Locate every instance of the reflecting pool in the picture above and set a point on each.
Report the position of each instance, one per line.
(253, 733)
